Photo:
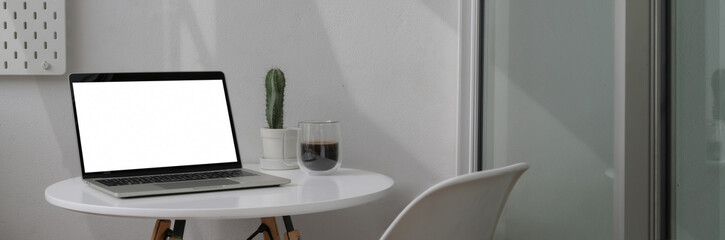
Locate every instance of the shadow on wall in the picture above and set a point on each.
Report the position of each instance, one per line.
(442, 9)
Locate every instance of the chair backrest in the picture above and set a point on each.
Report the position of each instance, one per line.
(463, 207)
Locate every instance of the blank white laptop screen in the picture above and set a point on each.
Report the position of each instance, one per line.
(150, 124)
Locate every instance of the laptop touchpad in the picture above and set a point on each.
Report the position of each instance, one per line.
(194, 184)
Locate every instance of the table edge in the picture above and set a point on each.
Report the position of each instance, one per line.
(220, 213)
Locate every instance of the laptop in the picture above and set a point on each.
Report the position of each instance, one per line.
(142, 134)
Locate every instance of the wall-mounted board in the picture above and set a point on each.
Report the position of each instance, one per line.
(32, 37)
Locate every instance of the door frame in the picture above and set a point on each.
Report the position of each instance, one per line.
(469, 87)
(641, 193)
(641, 120)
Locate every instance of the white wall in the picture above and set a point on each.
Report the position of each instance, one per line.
(549, 88)
(386, 69)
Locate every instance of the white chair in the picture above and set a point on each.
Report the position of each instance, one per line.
(463, 207)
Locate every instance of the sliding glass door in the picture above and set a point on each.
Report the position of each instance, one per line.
(698, 119)
(548, 101)
(554, 77)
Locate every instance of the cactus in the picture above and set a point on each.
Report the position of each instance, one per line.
(274, 83)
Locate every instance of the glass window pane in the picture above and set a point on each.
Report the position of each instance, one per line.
(698, 118)
(548, 101)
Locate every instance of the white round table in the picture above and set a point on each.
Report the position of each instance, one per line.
(305, 194)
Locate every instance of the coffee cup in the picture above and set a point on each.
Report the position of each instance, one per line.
(319, 150)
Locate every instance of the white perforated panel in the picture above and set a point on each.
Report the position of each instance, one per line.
(32, 37)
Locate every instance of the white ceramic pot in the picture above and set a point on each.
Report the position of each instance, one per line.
(279, 149)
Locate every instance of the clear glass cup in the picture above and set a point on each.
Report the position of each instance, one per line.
(319, 151)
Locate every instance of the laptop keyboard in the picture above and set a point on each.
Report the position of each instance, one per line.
(174, 177)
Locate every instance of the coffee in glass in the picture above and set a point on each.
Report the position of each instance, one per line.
(319, 147)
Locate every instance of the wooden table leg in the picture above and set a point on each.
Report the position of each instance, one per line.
(271, 222)
(178, 232)
(163, 225)
(160, 229)
(290, 232)
(293, 235)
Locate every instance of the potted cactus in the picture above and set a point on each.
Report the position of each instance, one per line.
(279, 144)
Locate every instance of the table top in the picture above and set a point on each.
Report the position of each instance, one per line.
(306, 194)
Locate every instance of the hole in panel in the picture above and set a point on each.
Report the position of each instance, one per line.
(15, 15)
(35, 54)
(5, 25)
(55, 15)
(6, 64)
(35, 35)
(55, 55)
(45, 25)
(25, 5)
(25, 25)
(16, 54)
(15, 35)
(5, 44)
(45, 5)
(35, 15)
(45, 45)
(26, 64)
(5, 6)
(25, 45)
(55, 35)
